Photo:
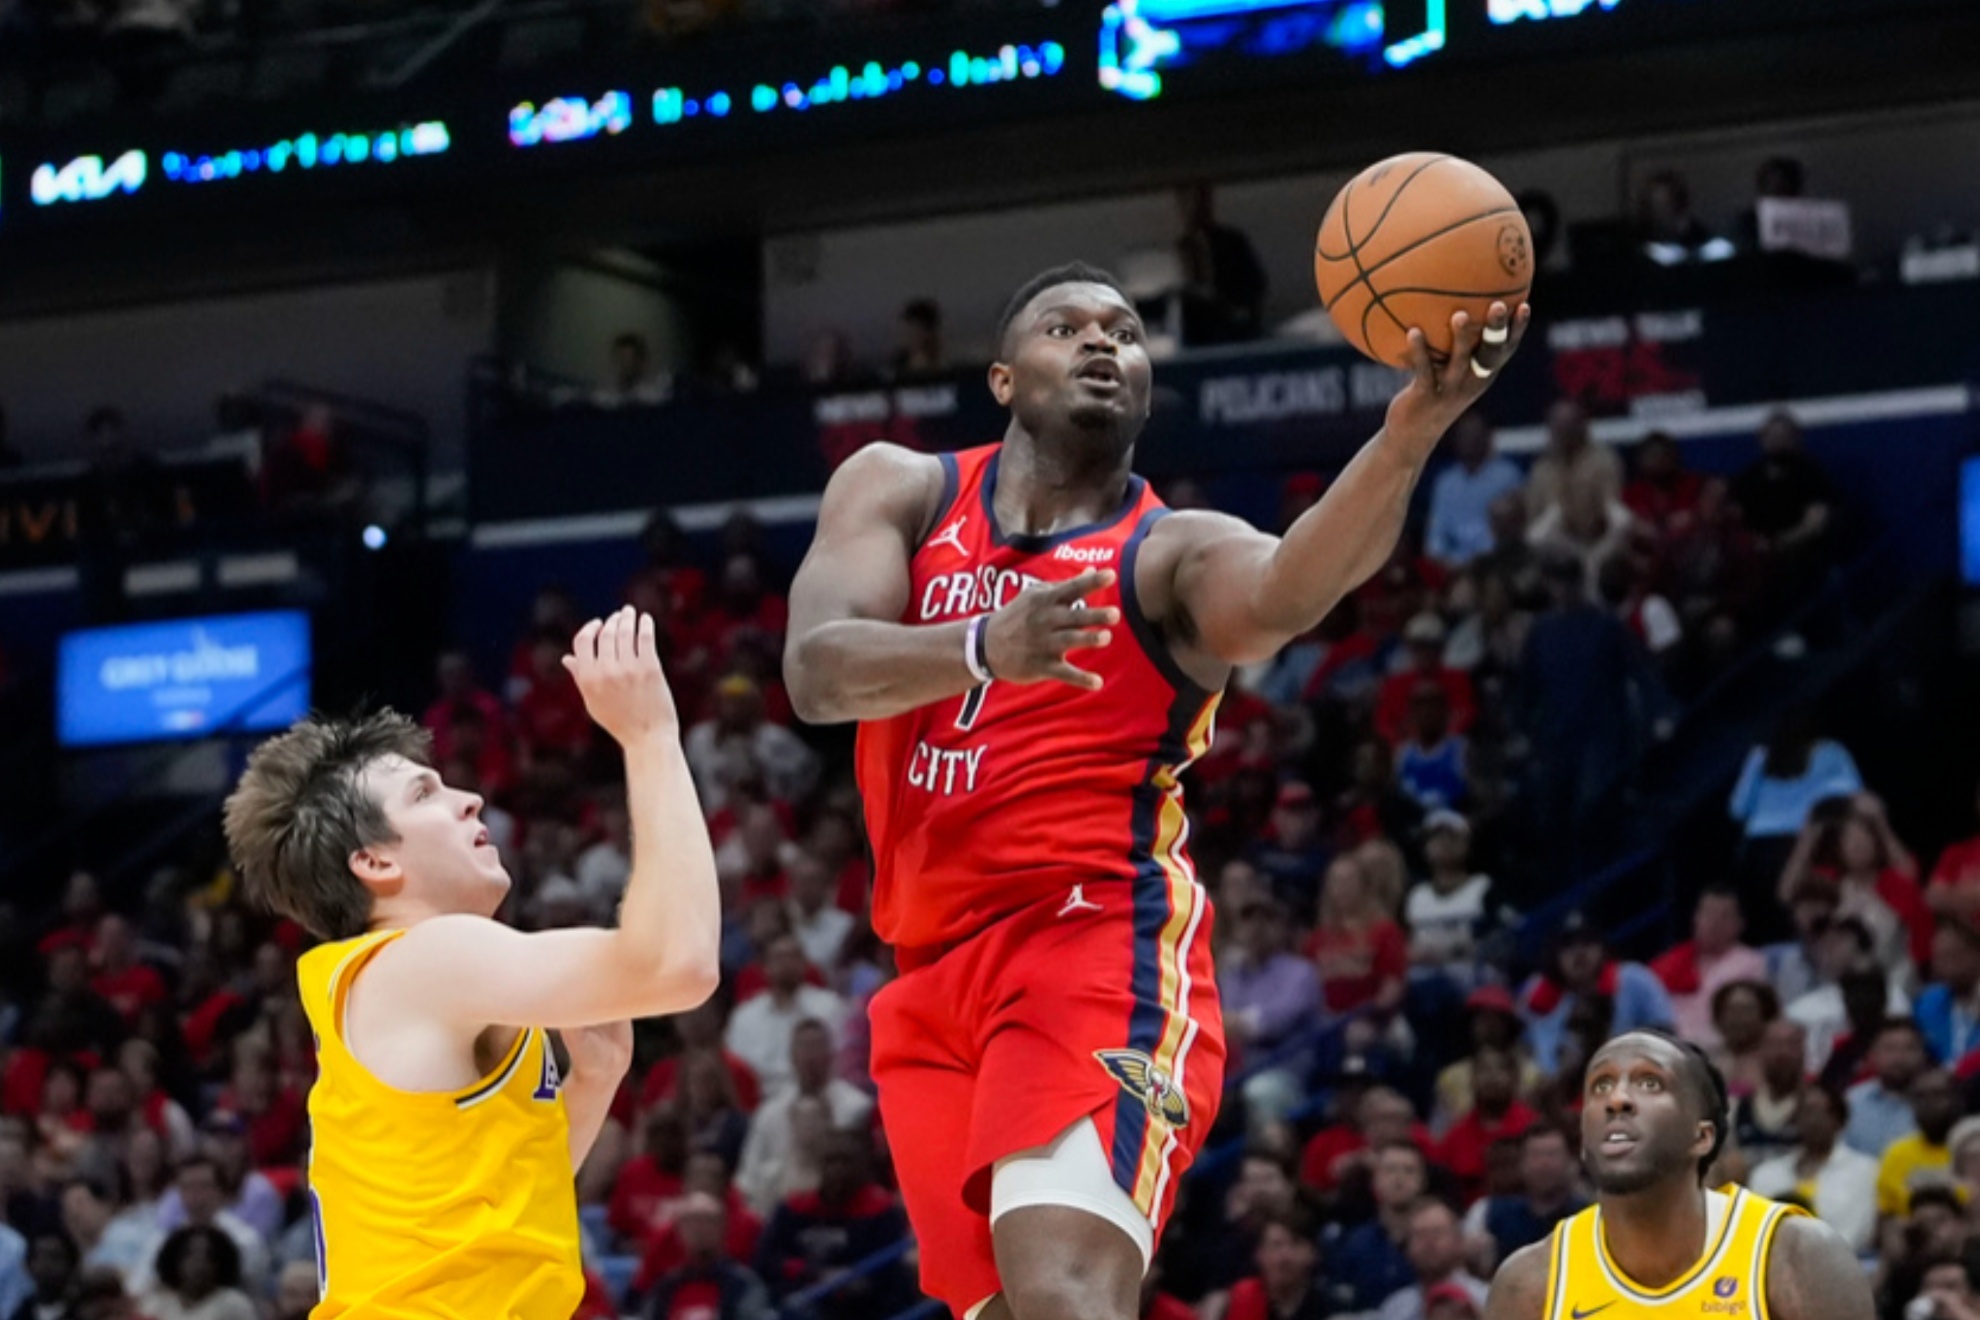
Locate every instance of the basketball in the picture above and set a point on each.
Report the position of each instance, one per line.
(1412, 240)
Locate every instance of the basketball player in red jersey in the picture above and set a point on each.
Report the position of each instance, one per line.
(1034, 647)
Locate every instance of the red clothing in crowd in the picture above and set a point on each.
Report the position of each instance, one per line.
(1330, 1144)
(551, 716)
(1164, 1307)
(1392, 706)
(1959, 864)
(639, 1197)
(663, 1080)
(1354, 964)
(1464, 1146)
(275, 1136)
(1660, 504)
(130, 991)
(664, 1252)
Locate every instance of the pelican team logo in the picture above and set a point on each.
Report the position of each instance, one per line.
(1140, 1078)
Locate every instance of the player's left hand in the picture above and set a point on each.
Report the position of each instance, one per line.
(1437, 396)
(600, 1052)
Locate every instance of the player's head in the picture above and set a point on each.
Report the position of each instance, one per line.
(335, 817)
(1072, 360)
(1654, 1108)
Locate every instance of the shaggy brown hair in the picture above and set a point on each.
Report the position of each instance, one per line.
(301, 809)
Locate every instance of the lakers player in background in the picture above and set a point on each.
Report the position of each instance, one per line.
(1658, 1244)
(444, 1140)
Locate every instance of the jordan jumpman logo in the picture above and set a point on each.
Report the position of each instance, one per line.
(952, 536)
(1078, 903)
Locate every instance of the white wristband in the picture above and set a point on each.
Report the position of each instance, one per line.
(972, 649)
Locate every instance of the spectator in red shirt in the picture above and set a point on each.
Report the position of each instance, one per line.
(667, 1251)
(550, 717)
(1954, 889)
(1424, 663)
(459, 688)
(667, 565)
(1359, 950)
(551, 614)
(1378, 1118)
(709, 1284)
(1497, 1114)
(128, 984)
(275, 1117)
(644, 1197)
(1287, 1285)
(1662, 493)
(1850, 841)
(743, 605)
(82, 908)
(699, 1029)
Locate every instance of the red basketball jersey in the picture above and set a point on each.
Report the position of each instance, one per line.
(989, 802)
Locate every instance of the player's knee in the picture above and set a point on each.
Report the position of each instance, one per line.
(1070, 1288)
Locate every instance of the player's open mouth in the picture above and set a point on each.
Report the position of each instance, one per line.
(481, 838)
(1618, 1141)
(1101, 371)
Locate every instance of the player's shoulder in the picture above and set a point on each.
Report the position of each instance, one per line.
(438, 943)
(887, 481)
(1812, 1274)
(1519, 1288)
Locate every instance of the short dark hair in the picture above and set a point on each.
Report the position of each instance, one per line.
(1708, 1087)
(1902, 1024)
(1073, 272)
(301, 809)
(1944, 1197)
(1836, 1100)
(1543, 1129)
(225, 1255)
(924, 312)
(1297, 1220)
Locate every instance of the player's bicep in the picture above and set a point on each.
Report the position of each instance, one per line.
(1220, 568)
(857, 567)
(471, 972)
(1813, 1275)
(1519, 1289)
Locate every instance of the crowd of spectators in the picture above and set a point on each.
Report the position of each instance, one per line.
(1370, 820)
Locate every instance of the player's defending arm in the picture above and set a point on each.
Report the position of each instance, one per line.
(469, 972)
(848, 656)
(1813, 1275)
(1243, 594)
(1519, 1289)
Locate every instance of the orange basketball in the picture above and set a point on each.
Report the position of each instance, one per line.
(1412, 240)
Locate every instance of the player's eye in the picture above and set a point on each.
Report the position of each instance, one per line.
(1060, 330)
(1127, 334)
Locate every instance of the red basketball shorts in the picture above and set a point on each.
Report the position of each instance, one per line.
(1099, 1003)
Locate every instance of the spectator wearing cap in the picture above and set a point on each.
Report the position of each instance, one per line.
(1287, 1285)
(1270, 993)
(1423, 663)
(1954, 886)
(1292, 856)
(245, 1191)
(1763, 1118)
(1547, 1194)
(1948, 1010)
(1436, 1253)
(1922, 1158)
(1493, 1022)
(1581, 968)
(1433, 762)
(1823, 1173)
(737, 745)
(1713, 958)
(1880, 1108)
(1461, 497)
(1497, 1114)
(1448, 913)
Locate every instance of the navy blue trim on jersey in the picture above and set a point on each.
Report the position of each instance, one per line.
(1151, 914)
(1033, 545)
(951, 478)
(1144, 631)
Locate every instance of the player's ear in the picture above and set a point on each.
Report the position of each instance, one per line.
(1000, 384)
(377, 871)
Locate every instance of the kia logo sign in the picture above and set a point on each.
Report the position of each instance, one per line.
(88, 179)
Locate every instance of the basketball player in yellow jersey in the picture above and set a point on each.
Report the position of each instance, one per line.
(1657, 1244)
(443, 1139)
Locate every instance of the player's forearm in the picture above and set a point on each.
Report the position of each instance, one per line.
(861, 669)
(670, 923)
(1339, 543)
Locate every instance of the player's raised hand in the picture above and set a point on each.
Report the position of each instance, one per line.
(1438, 393)
(1029, 639)
(616, 662)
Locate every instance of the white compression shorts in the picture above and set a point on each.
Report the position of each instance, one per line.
(1071, 1170)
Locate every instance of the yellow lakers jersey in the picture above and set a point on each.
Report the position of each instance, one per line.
(1729, 1282)
(443, 1204)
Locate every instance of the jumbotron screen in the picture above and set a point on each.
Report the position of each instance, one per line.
(927, 75)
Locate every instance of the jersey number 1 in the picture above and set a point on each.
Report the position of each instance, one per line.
(972, 705)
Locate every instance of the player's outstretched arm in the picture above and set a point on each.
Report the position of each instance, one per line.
(1813, 1275)
(847, 655)
(664, 957)
(1242, 595)
(1519, 1289)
